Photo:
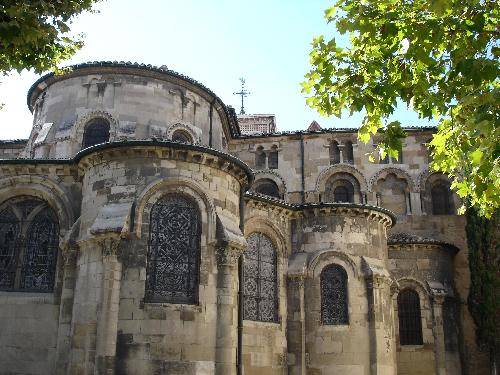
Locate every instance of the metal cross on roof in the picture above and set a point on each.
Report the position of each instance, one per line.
(243, 93)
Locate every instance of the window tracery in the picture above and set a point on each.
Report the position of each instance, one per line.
(96, 132)
(334, 299)
(260, 280)
(174, 251)
(410, 323)
(28, 244)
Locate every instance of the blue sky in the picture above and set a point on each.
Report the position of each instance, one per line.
(214, 42)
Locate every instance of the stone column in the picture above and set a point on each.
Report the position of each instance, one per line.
(438, 332)
(416, 205)
(302, 296)
(381, 325)
(107, 324)
(69, 256)
(227, 308)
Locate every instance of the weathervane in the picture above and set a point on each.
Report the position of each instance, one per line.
(243, 93)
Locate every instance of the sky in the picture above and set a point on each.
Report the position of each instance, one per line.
(215, 42)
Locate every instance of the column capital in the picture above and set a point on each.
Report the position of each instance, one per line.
(228, 255)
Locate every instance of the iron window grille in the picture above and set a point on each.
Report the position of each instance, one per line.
(260, 280)
(29, 242)
(410, 321)
(172, 272)
(334, 298)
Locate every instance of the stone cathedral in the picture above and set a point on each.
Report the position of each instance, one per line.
(145, 228)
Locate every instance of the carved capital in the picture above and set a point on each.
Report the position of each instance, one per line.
(110, 246)
(69, 255)
(228, 255)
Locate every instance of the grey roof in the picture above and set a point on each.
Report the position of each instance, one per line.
(410, 238)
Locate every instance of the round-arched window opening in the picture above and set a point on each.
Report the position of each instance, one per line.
(182, 137)
(267, 187)
(96, 132)
(341, 194)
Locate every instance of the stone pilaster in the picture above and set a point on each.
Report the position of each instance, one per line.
(227, 308)
(107, 323)
(69, 256)
(380, 318)
(438, 296)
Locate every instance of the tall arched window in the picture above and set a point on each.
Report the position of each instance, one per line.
(267, 187)
(348, 153)
(260, 280)
(182, 137)
(29, 241)
(260, 158)
(96, 132)
(441, 199)
(40, 256)
(174, 250)
(334, 152)
(410, 321)
(334, 300)
(272, 158)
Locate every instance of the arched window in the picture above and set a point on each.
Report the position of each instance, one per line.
(260, 158)
(182, 137)
(334, 152)
(410, 323)
(260, 280)
(441, 199)
(96, 132)
(174, 250)
(341, 194)
(29, 241)
(334, 301)
(40, 256)
(348, 153)
(267, 187)
(272, 158)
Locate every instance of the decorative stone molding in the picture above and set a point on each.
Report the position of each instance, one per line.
(110, 246)
(79, 128)
(193, 131)
(400, 173)
(273, 175)
(228, 255)
(337, 168)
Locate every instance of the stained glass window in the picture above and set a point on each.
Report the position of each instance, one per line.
(260, 280)
(410, 323)
(29, 241)
(334, 301)
(96, 132)
(174, 251)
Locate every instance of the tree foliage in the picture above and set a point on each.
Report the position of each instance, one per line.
(439, 57)
(484, 295)
(34, 34)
